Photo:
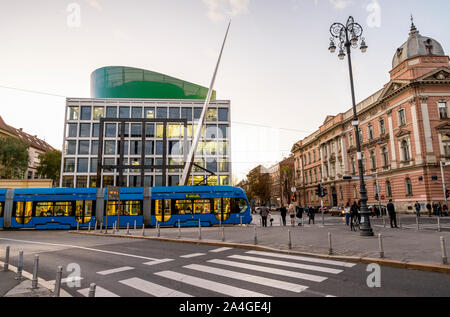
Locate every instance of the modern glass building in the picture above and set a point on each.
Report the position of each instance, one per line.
(137, 129)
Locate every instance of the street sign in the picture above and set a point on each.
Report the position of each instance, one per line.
(113, 193)
(293, 189)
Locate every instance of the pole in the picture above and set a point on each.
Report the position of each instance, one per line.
(223, 234)
(158, 230)
(143, 230)
(444, 251)
(365, 227)
(439, 224)
(289, 240)
(443, 183)
(58, 281)
(330, 249)
(179, 229)
(255, 239)
(199, 230)
(378, 194)
(380, 243)
(20, 265)
(128, 228)
(92, 288)
(6, 264)
(323, 216)
(34, 282)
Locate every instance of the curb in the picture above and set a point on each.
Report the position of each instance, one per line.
(439, 268)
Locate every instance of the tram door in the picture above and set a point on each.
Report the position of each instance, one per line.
(24, 211)
(222, 207)
(163, 211)
(83, 211)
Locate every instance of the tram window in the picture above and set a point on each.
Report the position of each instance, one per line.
(202, 206)
(183, 207)
(88, 206)
(132, 208)
(217, 205)
(63, 209)
(23, 209)
(226, 205)
(243, 205)
(44, 209)
(238, 205)
(112, 208)
(1, 209)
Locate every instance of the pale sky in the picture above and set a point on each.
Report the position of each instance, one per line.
(276, 69)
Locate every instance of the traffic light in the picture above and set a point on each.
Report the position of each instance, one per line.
(447, 193)
(376, 196)
(319, 190)
(324, 192)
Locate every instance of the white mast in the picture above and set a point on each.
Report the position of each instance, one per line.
(201, 122)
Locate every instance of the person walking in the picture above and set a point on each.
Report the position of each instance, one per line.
(283, 212)
(429, 209)
(440, 210)
(445, 210)
(264, 214)
(435, 209)
(311, 215)
(354, 214)
(392, 214)
(347, 213)
(417, 206)
(299, 214)
(292, 214)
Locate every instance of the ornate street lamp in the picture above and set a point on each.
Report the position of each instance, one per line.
(348, 36)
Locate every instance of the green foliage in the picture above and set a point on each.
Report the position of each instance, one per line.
(50, 165)
(13, 158)
(259, 187)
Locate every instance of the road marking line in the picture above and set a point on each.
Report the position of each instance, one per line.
(210, 285)
(99, 292)
(303, 276)
(289, 264)
(155, 262)
(152, 288)
(302, 258)
(193, 255)
(83, 248)
(220, 250)
(113, 271)
(249, 278)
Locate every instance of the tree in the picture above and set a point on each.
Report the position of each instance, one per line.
(13, 157)
(50, 165)
(287, 181)
(259, 187)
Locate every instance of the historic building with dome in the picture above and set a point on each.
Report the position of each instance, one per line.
(405, 135)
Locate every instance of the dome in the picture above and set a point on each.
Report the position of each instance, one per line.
(417, 45)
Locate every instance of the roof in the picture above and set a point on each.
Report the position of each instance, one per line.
(34, 141)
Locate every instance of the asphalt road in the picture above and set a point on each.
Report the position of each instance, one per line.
(139, 268)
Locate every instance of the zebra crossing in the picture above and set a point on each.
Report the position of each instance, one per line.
(225, 273)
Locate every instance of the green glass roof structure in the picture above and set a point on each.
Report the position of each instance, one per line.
(129, 82)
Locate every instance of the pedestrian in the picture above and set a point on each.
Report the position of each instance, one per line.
(283, 212)
(299, 214)
(429, 209)
(354, 214)
(347, 213)
(311, 215)
(445, 210)
(417, 206)
(377, 211)
(264, 214)
(292, 214)
(435, 209)
(392, 214)
(440, 210)
(270, 219)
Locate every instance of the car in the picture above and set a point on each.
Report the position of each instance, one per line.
(337, 211)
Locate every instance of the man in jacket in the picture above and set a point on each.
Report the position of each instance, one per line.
(264, 214)
(417, 206)
(392, 214)
(283, 212)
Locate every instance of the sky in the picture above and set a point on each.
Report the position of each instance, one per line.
(276, 68)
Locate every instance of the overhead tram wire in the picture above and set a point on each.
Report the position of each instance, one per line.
(233, 122)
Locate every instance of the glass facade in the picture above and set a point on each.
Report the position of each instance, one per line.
(81, 142)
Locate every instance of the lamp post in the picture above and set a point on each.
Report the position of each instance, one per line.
(348, 36)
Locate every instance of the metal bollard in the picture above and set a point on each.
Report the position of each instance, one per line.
(128, 228)
(20, 265)
(179, 229)
(135, 225)
(223, 234)
(89, 227)
(444, 251)
(384, 222)
(240, 219)
(439, 224)
(114, 228)
(92, 288)
(143, 230)
(330, 249)
(117, 226)
(34, 282)
(6, 264)
(78, 226)
(199, 230)
(158, 230)
(255, 238)
(417, 222)
(400, 223)
(58, 281)
(289, 240)
(380, 243)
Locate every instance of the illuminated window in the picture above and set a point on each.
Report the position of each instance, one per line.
(73, 113)
(149, 113)
(183, 207)
(202, 206)
(211, 115)
(175, 131)
(99, 112)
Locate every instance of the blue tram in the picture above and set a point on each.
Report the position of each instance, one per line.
(66, 208)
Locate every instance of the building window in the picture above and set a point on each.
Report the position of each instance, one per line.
(388, 189)
(350, 139)
(86, 113)
(373, 159)
(442, 106)
(405, 151)
(353, 163)
(149, 113)
(315, 175)
(72, 113)
(385, 156)
(223, 114)
(360, 136)
(111, 112)
(99, 112)
(409, 189)
(446, 144)
(401, 117)
(382, 127)
(309, 158)
(363, 162)
(370, 129)
(124, 112)
(355, 192)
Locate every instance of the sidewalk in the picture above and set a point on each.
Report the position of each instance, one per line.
(407, 248)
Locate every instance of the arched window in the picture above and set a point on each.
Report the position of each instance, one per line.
(385, 155)
(373, 159)
(409, 189)
(405, 150)
(388, 189)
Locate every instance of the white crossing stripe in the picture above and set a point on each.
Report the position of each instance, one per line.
(118, 270)
(220, 250)
(155, 262)
(289, 264)
(152, 288)
(193, 255)
(210, 285)
(249, 278)
(265, 269)
(302, 258)
(99, 292)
